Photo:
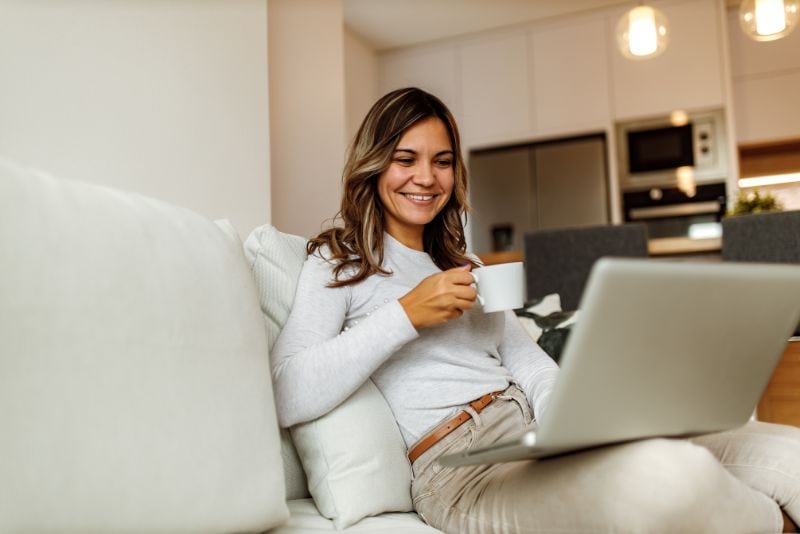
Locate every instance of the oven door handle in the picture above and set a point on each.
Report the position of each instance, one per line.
(675, 210)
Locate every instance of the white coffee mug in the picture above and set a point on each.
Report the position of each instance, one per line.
(501, 286)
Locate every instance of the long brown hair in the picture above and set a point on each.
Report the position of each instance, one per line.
(357, 244)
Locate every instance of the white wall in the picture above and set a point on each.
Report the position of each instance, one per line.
(361, 81)
(307, 118)
(165, 98)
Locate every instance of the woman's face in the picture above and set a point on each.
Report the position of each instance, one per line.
(418, 182)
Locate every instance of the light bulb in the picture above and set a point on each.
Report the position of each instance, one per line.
(767, 20)
(642, 33)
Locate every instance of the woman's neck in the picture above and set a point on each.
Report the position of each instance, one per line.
(410, 239)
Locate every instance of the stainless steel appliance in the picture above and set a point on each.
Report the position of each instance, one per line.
(546, 184)
(656, 152)
(672, 176)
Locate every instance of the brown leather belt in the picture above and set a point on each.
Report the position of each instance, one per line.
(448, 426)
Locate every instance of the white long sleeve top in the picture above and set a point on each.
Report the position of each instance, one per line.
(337, 338)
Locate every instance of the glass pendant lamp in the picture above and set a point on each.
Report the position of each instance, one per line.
(767, 20)
(642, 33)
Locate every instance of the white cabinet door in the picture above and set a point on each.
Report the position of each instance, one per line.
(766, 108)
(432, 69)
(570, 75)
(495, 90)
(688, 75)
(766, 85)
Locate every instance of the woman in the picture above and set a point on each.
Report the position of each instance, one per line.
(388, 295)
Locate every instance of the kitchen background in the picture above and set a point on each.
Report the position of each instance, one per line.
(243, 109)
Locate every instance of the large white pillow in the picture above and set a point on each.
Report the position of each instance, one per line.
(354, 457)
(276, 260)
(134, 380)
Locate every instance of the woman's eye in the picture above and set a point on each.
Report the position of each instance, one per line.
(444, 162)
(404, 161)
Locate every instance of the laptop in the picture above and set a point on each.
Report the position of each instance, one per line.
(661, 348)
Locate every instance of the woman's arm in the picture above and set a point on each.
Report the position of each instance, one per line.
(531, 367)
(315, 366)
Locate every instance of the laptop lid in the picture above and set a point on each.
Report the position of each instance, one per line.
(664, 348)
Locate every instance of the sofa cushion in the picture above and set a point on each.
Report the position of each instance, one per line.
(276, 260)
(306, 520)
(351, 473)
(134, 383)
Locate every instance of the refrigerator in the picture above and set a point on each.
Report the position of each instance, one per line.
(551, 184)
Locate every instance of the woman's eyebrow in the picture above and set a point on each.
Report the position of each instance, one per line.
(410, 151)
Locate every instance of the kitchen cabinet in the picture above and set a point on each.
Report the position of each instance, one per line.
(766, 82)
(769, 108)
(495, 93)
(688, 75)
(432, 68)
(568, 59)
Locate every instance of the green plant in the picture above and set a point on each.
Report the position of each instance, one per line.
(755, 202)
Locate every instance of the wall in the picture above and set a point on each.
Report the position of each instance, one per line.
(168, 99)
(307, 118)
(361, 81)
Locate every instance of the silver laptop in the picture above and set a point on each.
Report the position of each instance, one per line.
(661, 348)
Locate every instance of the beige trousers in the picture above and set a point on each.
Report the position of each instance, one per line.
(732, 482)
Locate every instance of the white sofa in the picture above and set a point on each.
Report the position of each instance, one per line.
(135, 391)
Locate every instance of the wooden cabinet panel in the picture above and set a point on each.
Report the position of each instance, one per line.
(780, 402)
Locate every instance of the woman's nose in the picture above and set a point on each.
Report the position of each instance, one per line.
(425, 175)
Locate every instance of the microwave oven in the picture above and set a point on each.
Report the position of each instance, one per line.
(652, 151)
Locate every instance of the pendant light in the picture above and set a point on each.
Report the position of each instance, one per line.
(642, 33)
(767, 20)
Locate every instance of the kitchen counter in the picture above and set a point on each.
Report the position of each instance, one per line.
(666, 246)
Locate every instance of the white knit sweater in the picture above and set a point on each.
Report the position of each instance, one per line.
(337, 338)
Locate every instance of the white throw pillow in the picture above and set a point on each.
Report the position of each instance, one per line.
(134, 383)
(354, 456)
(355, 459)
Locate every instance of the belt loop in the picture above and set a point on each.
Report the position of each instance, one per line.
(475, 416)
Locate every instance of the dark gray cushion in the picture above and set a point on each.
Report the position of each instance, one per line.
(559, 261)
(762, 237)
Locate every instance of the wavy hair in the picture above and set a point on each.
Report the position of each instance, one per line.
(356, 244)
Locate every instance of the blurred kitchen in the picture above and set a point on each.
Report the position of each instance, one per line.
(566, 122)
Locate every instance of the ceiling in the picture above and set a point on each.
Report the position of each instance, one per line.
(387, 24)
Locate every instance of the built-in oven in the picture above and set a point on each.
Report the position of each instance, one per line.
(673, 217)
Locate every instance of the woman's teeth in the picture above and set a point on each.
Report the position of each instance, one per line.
(418, 197)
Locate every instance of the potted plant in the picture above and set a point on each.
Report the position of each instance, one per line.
(755, 202)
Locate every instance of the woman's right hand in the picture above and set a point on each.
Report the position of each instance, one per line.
(440, 297)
